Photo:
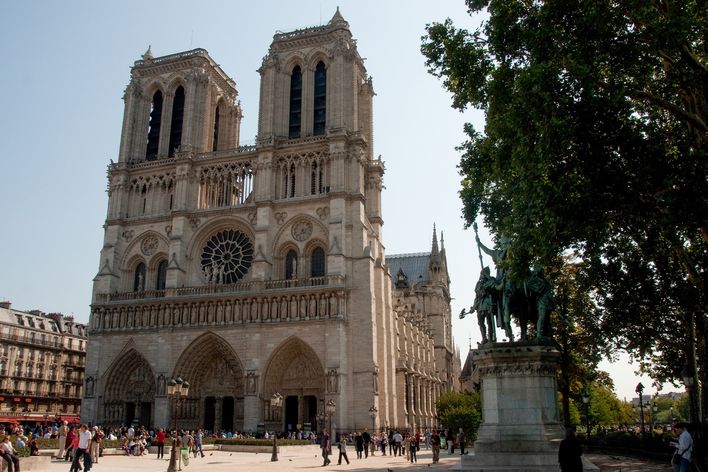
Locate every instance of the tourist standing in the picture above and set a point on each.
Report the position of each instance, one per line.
(62, 431)
(95, 448)
(569, 452)
(160, 443)
(397, 443)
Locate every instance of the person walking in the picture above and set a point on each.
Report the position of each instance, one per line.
(359, 445)
(569, 452)
(367, 440)
(82, 450)
(326, 447)
(413, 446)
(342, 449)
(435, 445)
(198, 443)
(684, 447)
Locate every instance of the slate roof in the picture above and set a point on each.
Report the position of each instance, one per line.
(415, 266)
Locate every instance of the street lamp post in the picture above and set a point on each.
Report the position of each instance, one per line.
(177, 390)
(640, 391)
(330, 408)
(373, 411)
(586, 401)
(276, 401)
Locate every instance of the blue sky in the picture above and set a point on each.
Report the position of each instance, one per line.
(67, 63)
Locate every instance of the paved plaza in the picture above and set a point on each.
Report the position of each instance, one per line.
(308, 458)
(291, 459)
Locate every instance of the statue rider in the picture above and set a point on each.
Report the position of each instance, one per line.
(504, 286)
(537, 286)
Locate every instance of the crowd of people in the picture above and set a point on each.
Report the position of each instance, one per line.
(81, 445)
(393, 443)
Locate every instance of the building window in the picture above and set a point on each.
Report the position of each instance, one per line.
(291, 265)
(20, 321)
(153, 143)
(139, 279)
(161, 275)
(227, 257)
(320, 108)
(177, 119)
(215, 145)
(292, 180)
(317, 263)
(295, 103)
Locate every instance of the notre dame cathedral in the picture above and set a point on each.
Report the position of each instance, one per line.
(251, 270)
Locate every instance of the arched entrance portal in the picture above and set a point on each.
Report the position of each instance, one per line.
(129, 395)
(295, 371)
(215, 376)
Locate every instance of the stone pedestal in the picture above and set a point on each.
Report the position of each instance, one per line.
(520, 429)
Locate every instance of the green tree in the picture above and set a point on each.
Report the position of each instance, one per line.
(460, 410)
(594, 146)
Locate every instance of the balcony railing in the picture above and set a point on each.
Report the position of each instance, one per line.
(239, 287)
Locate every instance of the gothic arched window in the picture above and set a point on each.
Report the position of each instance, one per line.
(292, 180)
(320, 99)
(161, 275)
(317, 263)
(291, 265)
(295, 102)
(215, 146)
(139, 279)
(153, 142)
(177, 119)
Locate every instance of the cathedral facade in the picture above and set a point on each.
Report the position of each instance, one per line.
(254, 270)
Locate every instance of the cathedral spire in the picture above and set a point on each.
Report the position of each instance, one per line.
(435, 252)
(338, 19)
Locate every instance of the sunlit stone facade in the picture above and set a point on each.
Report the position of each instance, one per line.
(250, 270)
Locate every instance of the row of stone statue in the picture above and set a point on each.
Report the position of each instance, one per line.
(499, 298)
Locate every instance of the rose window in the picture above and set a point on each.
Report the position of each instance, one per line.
(227, 257)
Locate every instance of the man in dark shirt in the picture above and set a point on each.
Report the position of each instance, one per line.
(367, 439)
(569, 452)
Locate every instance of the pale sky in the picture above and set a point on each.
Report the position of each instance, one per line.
(66, 65)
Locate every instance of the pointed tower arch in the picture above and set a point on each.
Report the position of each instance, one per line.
(129, 392)
(215, 376)
(295, 371)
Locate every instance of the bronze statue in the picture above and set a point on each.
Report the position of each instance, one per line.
(530, 304)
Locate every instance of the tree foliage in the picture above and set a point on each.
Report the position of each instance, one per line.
(595, 146)
(460, 410)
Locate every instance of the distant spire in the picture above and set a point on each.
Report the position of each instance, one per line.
(148, 54)
(338, 19)
(435, 250)
(442, 242)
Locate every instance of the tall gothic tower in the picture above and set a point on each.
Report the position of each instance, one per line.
(251, 270)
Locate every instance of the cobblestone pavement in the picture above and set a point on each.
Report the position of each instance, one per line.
(615, 463)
